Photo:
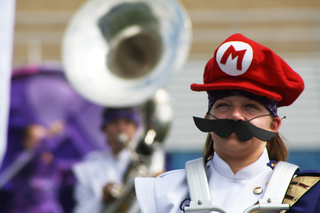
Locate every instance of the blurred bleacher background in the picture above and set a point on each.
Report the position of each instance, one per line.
(290, 28)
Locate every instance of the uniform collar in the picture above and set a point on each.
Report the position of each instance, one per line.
(123, 155)
(251, 171)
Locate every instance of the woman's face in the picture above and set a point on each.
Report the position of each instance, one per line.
(240, 108)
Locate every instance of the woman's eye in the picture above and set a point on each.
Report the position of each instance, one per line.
(251, 106)
(221, 105)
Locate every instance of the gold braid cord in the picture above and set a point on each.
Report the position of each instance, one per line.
(298, 187)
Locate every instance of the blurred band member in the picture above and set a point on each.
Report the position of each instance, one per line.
(100, 176)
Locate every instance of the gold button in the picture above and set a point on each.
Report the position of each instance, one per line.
(267, 182)
(257, 190)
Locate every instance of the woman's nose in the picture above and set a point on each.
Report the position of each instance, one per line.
(236, 115)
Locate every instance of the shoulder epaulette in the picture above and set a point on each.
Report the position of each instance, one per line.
(299, 185)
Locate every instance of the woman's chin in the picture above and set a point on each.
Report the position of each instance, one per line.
(233, 144)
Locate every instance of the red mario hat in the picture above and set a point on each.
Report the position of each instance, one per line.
(242, 64)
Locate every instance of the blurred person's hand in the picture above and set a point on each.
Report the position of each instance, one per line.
(34, 134)
(112, 191)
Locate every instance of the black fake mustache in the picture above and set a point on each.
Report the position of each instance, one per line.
(225, 127)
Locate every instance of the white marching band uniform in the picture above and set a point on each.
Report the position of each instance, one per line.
(97, 170)
(234, 192)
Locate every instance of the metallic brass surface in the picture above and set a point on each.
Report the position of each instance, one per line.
(257, 190)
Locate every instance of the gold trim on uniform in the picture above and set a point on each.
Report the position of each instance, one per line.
(298, 187)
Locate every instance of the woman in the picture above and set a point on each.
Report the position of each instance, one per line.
(245, 82)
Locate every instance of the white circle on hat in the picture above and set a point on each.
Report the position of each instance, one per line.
(234, 57)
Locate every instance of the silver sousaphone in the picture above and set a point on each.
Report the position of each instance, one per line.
(118, 53)
(121, 53)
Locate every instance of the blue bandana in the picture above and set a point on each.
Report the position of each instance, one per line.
(214, 95)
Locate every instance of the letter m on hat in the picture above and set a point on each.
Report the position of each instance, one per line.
(231, 51)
